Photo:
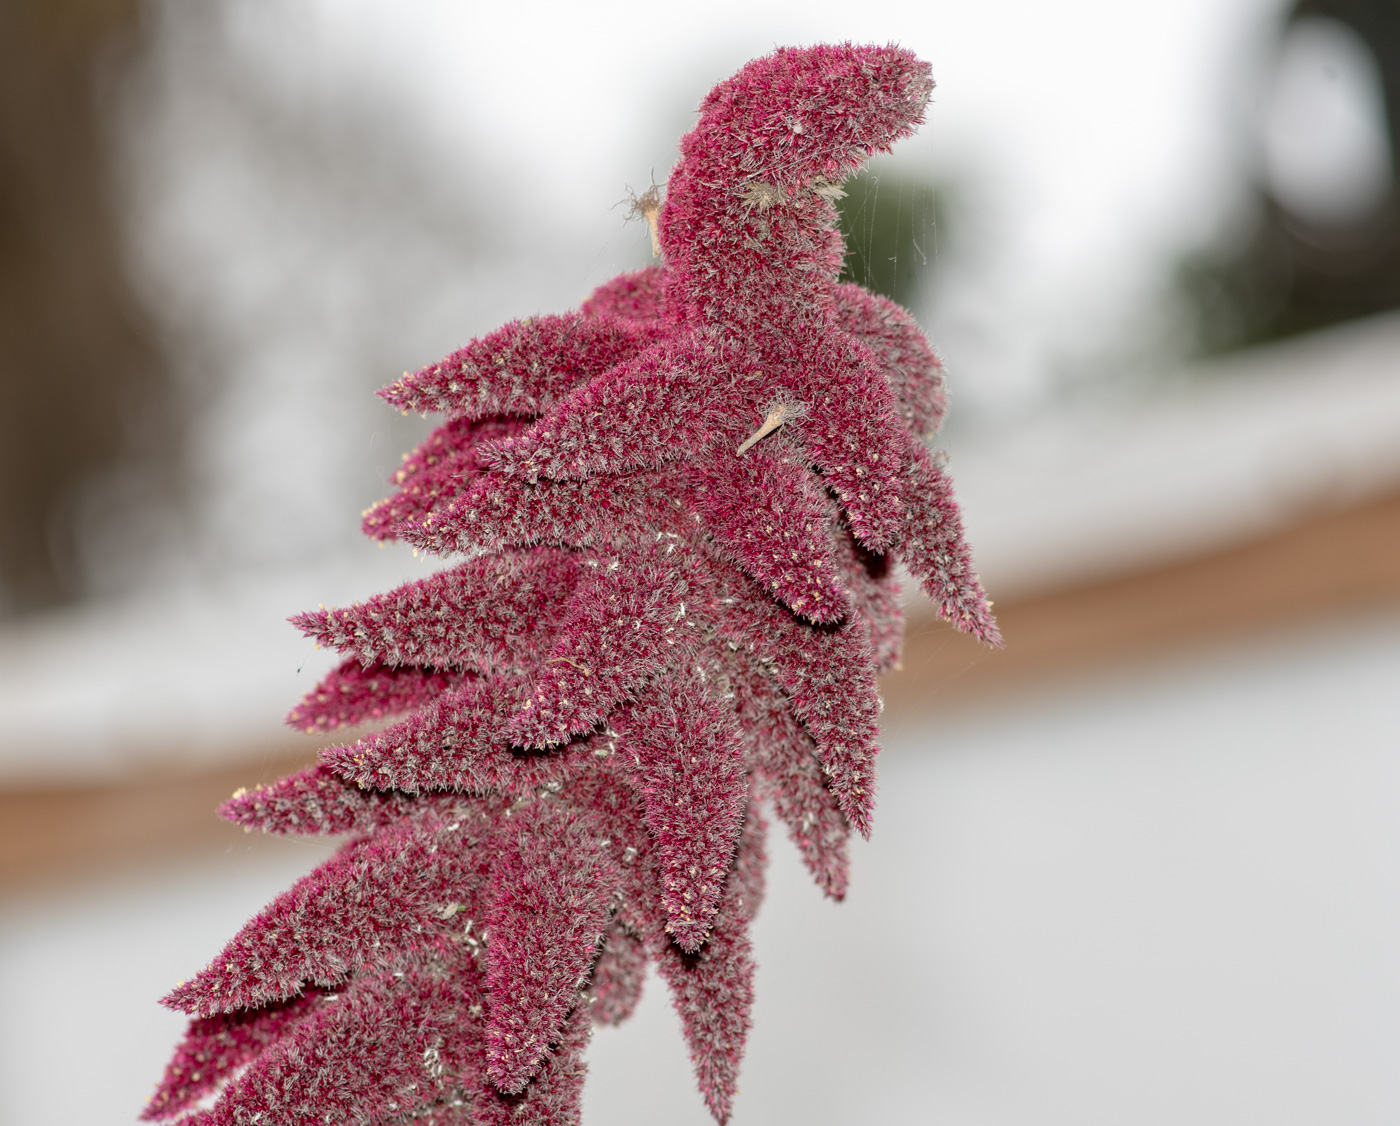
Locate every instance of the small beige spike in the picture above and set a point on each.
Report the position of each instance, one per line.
(783, 412)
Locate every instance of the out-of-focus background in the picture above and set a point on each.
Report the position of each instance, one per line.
(1142, 866)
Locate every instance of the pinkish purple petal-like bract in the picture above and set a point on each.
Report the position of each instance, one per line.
(659, 628)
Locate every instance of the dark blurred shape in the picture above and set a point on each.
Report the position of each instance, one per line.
(1299, 267)
(890, 224)
(81, 375)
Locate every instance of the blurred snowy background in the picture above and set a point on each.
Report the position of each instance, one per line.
(1158, 246)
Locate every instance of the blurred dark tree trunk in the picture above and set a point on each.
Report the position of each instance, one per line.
(81, 373)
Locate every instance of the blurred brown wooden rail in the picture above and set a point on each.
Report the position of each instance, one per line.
(1326, 562)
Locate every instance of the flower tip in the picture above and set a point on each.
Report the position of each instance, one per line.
(823, 613)
(509, 1077)
(177, 1000)
(689, 936)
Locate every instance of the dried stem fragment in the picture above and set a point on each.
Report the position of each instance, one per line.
(648, 206)
(779, 414)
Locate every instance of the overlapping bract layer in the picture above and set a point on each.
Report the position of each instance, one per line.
(653, 635)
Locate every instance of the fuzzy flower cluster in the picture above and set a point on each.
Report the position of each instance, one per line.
(676, 513)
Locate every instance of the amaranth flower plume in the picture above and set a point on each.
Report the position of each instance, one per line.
(679, 508)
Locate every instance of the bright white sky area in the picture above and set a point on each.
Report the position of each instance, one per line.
(1325, 157)
(1166, 896)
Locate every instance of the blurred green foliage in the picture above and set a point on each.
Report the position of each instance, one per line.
(890, 224)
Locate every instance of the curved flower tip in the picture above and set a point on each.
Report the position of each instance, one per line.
(677, 596)
(807, 112)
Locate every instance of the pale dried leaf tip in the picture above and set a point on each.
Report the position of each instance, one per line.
(777, 415)
(648, 206)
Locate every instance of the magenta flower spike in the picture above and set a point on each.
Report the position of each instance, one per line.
(680, 509)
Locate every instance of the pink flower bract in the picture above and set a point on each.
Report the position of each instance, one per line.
(659, 628)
